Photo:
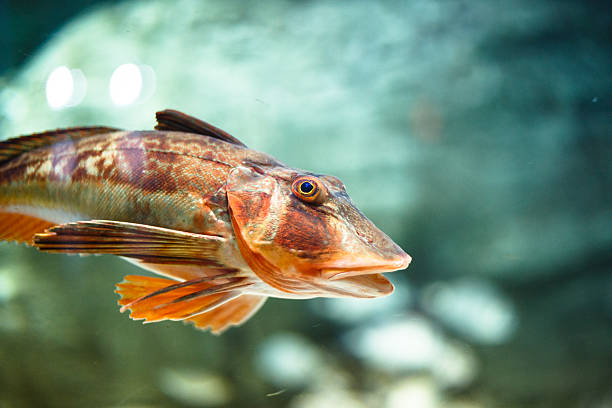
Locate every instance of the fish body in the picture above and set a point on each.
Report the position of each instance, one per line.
(229, 226)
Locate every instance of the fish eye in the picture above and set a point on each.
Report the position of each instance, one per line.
(308, 189)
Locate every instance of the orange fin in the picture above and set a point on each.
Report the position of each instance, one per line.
(20, 228)
(11, 148)
(145, 242)
(156, 299)
(233, 313)
(178, 121)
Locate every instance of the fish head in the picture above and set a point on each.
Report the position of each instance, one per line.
(301, 233)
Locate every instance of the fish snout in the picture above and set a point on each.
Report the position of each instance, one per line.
(363, 248)
(401, 261)
(367, 262)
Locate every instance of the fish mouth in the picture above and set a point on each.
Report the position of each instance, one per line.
(357, 265)
(372, 285)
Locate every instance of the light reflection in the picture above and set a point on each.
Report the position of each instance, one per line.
(131, 83)
(65, 87)
(125, 84)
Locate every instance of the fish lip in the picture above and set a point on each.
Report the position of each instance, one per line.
(332, 272)
(375, 285)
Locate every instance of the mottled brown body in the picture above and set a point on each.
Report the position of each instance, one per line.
(191, 202)
(168, 179)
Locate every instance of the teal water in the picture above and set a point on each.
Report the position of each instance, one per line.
(475, 134)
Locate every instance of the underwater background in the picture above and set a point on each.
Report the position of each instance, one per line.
(477, 134)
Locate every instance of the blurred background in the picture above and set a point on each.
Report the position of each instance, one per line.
(477, 134)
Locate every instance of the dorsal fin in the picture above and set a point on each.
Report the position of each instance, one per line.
(170, 119)
(11, 148)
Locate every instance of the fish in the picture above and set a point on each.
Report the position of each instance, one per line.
(219, 226)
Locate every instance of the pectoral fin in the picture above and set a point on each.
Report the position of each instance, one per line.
(20, 228)
(146, 243)
(156, 299)
(233, 313)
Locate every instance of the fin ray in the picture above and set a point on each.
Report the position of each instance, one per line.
(233, 313)
(147, 243)
(169, 288)
(170, 119)
(20, 227)
(14, 147)
(147, 299)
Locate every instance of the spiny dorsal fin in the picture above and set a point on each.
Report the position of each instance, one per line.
(178, 121)
(11, 148)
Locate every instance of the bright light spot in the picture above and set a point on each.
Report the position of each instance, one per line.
(125, 84)
(80, 87)
(148, 82)
(65, 87)
(60, 87)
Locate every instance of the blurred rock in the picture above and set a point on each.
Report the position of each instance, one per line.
(289, 360)
(329, 399)
(456, 367)
(414, 345)
(396, 345)
(473, 308)
(464, 404)
(195, 387)
(413, 392)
